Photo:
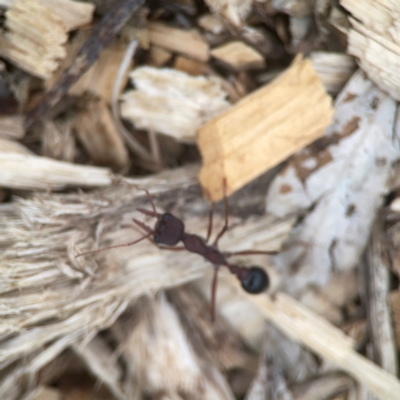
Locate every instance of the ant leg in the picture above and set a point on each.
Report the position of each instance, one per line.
(113, 247)
(150, 200)
(225, 227)
(214, 292)
(249, 252)
(148, 212)
(143, 226)
(147, 194)
(210, 215)
(172, 248)
(210, 222)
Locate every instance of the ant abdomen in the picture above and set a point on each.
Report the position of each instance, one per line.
(169, 230)
(255, 280)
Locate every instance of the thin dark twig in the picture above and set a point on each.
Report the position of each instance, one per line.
(103, 36)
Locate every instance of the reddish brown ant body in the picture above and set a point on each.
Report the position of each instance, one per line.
(170, 230)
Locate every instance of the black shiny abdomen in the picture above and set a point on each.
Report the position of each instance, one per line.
(255, 281)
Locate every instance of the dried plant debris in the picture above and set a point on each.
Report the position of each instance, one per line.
(334, 69)
(325, 386)
(12, 127)
(238, 56)
(395, 308)
(102, 36)
(217, 343)
(38, 30)
(103, 363)
(390, 243)
(374, 38)
(58, 141)
(189, 43)
(342, 177)
(99, 80)
(248, 321)
(191, 67)
(47, 393)
(11, 146)
(295, 8)
(172, 102)
(234, 12)
(377, 275)
(162, 361)
(211, 23)
(22, 171)
(258, 389)
(139, 89)
(6, 3)
(305, 327)
(158, 57)
(263, 129)
(79, 296)
(269, 381)
(100, 136)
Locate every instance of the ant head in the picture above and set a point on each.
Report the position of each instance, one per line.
(255, 281)
(169, 230)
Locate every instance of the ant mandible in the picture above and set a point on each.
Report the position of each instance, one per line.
(169, 230)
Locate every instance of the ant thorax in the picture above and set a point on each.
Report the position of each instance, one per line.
(196, 244)
(169, 230)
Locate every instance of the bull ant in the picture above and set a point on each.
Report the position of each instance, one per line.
(170, 230)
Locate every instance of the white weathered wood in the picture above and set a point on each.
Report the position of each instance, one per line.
(377, 278)
(162, 359)
(21, 171)
(334, 69)
(78, 296)
(102, 363)
(374, 37)
(37, 31)
(305, 327)
(172, 102)
(344, 178)
(11, 146)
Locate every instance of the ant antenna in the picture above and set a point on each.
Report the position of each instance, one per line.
(150, 200)
(114, 247)
(140, 188)
(149, 231)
